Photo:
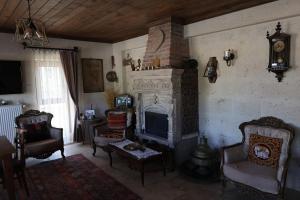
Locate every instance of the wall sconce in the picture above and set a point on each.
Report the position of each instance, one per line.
(228, 56)
(211, 70)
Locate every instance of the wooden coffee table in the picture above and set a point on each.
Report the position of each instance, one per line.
(137, 156)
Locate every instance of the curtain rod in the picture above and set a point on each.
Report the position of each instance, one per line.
(75, 49)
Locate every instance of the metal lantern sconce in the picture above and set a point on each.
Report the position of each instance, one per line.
(211, 70)
(228, 57)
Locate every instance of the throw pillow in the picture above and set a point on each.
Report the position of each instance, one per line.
(116, 120)
(36, 132)
(264, 150)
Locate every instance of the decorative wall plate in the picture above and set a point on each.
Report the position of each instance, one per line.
(111, 76)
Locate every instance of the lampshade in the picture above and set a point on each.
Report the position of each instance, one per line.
(31, 31)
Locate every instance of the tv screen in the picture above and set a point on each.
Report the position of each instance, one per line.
(10, 77)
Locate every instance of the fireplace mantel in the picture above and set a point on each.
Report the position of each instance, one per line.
(160, 80)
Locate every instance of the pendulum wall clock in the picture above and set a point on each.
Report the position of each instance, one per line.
(279, 52)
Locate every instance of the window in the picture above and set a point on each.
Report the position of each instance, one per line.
(52, 92)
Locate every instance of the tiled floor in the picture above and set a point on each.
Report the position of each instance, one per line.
(157, 187)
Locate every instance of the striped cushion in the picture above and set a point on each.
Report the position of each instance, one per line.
(112, 134)
(116, 120)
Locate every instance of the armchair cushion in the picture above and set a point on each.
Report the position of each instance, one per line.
(40, 147)
(256, 176)
(283, 134)
(36, 132)
(104, 135)
(264, 150)
(112, 134)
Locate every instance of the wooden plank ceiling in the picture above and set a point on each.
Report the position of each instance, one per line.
(112, 20)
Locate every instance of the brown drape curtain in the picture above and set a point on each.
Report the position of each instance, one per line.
(69, 61)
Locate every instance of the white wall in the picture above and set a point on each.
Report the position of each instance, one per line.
(246, 90)
(11, 50)
(135, 47)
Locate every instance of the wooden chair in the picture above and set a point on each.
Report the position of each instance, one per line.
(236, 166)
(19, 173)
(43, 146)
(114, 129)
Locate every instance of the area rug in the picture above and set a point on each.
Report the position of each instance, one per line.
(75, 178)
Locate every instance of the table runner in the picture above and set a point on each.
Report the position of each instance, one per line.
(136, 153)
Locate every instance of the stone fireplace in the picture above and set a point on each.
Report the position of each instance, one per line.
(167, 98)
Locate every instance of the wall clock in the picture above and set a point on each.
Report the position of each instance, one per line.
(279, 53)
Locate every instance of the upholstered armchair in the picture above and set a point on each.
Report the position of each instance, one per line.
(239, 168)
(36, 137)
(113, 129)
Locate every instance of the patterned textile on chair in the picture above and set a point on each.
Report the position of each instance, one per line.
(264, 150)
(116, 120)
(274, 137)
(113, 130)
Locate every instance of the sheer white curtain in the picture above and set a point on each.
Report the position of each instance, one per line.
(52, 91)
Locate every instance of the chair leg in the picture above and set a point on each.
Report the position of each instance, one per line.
(223, 187)
(23, 178)
(62, 153)
(19, 178)
(3, 182)
(281, 195)
(94, 149)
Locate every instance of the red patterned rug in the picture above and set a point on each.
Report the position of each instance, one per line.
(75, 178)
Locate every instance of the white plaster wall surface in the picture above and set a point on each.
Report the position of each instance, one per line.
(246, 90)
(11, 50)
(119, 51)
(137, 53)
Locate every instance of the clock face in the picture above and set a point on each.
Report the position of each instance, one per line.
(278, 46)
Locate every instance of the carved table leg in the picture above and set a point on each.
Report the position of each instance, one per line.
(163, 164)
(110, 157)
(142, 172)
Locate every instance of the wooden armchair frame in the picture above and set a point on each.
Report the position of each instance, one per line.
(55, 133)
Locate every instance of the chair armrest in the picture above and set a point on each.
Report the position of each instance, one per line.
(20, 132)
(56, 133)
(20, 143)
(233, 153)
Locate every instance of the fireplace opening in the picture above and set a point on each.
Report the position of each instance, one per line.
(156, 124)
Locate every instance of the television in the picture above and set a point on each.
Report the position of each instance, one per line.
(10, 77)
(124, 101)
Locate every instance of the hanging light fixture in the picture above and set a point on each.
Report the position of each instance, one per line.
(31, 31)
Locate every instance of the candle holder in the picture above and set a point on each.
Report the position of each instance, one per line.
(228, 57)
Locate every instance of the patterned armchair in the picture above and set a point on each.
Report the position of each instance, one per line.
(36, 137)
(114, 129)
(238, 167)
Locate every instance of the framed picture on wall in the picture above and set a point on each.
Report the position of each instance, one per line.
(92, 75)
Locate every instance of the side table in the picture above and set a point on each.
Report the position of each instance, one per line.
(87, 129)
